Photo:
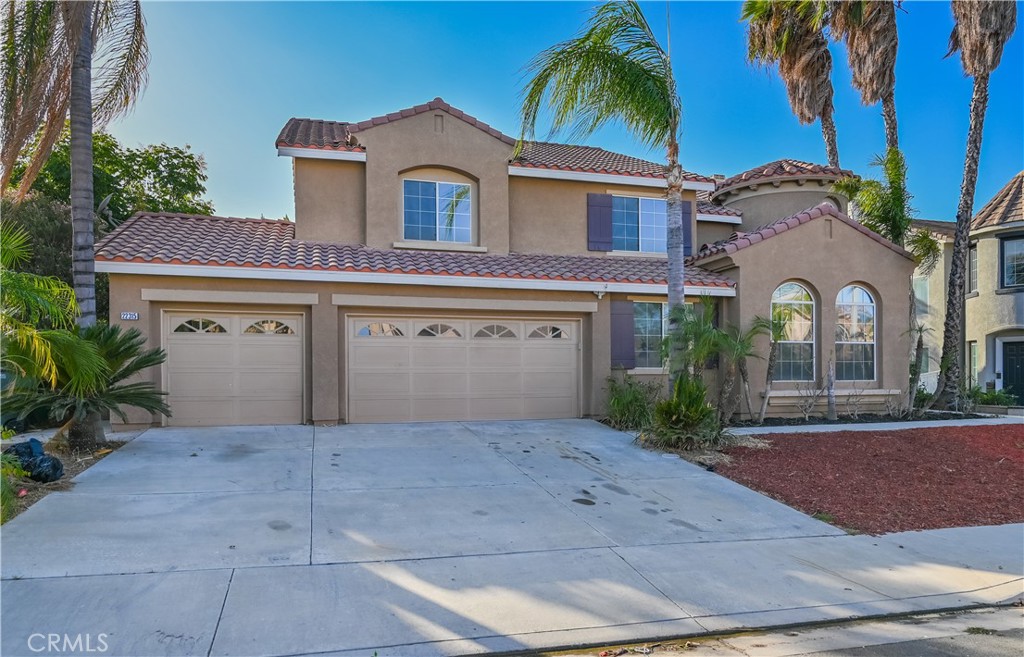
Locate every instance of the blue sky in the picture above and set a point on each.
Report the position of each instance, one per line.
(225, 77)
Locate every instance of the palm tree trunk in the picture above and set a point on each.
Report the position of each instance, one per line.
(830, 388)
(828, 133)
(676, 251)
(950, 367)
(892, 139)
(915, 376)
(745, 379)
(773, 355)
(87, 435)
(82, 263)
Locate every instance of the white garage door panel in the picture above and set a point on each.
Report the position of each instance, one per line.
(233, 368)
(450, 369)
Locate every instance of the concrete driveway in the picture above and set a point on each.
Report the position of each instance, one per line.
(447, 538)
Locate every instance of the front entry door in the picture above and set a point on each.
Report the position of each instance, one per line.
(1013, 369)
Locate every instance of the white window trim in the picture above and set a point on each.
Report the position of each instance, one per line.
(927, 295)
(437, 212)
(639, 226)
(972, 281)
(874, 334)
(814, 333)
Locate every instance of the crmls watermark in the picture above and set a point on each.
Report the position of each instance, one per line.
(67, 643)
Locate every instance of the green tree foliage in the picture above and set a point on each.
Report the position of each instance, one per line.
(154, 178)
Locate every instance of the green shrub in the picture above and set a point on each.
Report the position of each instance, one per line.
(10, 468)
(992, 397)
(631, 402)
(922, 397)
(685, 420)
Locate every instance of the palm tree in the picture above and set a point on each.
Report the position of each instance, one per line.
(736, 348)
(125, 355)
(787, 33)
(868, 28)
(694, 339)
(980, 32)
(615, 70)
(775, 327)
(884, 207)
(34, 313)
(47, 67)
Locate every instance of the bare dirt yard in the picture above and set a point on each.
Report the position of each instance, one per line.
(890, 481)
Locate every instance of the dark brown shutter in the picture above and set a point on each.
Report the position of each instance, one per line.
(599, 222)
(623, 342)
(687, 228)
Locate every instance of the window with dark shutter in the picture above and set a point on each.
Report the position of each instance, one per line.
(599, 222)
(623, 348)
(687, 228)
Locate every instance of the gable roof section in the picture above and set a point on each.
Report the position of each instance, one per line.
(785, 169)
(705, 206)
(942, 228)
(1007, 206)
(739, 241)
(304, 133)
(181, 239)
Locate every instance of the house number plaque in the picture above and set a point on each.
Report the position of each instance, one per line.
(130, 316)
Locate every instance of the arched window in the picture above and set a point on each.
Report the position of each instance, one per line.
(269, 326)
(378, 329)
(553, 332)
(494, 331)
(200, 325)
(855, 334)
(439, 331)
(793, 307)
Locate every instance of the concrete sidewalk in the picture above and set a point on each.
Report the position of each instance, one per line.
(447, 539)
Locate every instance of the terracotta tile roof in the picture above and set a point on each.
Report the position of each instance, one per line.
(740, 241)
(781, 170)
(304, 133)
(944, 228)
(705, 206)
(199, 240)
(342, 136)
(1005, 207)
(591, 159)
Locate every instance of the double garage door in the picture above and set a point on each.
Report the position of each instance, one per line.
(402, 369)
(247, 368)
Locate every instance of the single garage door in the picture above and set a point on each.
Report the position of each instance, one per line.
(225, 368)
(435, 369)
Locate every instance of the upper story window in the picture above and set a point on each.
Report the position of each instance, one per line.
(972, 268)
(638, 224)
(921, 291)
(1012, 264)
(793, 307)
(437, 211)
(855, 334)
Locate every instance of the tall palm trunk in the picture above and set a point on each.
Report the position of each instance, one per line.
(676, 252)
(950, 367)
(892, 138)
(773, 355)
(828, 133)
(745, 379)
(83, 265)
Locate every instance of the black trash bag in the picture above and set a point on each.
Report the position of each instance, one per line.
(45, 469)
(26, 451)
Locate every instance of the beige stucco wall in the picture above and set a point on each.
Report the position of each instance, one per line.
(330, 200)
(550, 216)
(325, 393)
(709, 232)
(769, 202)
(434, 140)
(992, 312)
(935, 315)
(824, 255)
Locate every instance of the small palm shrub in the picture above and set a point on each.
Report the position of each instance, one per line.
(631, 402)
(685, 420)
(992, 397)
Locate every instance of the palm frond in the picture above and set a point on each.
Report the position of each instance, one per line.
(613, 71)
(121, 59)
(981, 29)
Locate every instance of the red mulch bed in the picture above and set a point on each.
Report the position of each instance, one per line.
(890, 481)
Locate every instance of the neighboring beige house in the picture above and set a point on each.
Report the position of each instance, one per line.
(994, 310)
(430, 275)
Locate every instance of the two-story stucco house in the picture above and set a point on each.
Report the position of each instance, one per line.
(994, 306)
(431, 275)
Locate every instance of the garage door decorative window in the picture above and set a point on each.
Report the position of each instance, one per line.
(270, 326)
(439, 331)
(375, 329)
(495, 331)
(200, 325)
(553, 332)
